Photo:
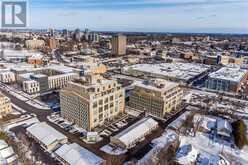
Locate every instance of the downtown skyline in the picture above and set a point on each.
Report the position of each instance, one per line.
(189, 16)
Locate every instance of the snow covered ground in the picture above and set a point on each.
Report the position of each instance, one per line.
(113, 151)
(203, 144)
(160, 143)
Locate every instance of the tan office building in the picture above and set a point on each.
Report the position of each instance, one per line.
(90, 102)
(5, 105)
(34, 44)
(156, 97)
(119, 43)
(52, 43)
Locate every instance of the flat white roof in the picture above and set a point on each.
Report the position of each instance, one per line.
(183, 71)
(234, 74)
(61, 68)
(45, 133)
(166, 85)
(136, 131)
(7, 152)
(3, 144)
(74, 154)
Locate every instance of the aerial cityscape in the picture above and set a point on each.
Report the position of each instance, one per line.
(75, 92)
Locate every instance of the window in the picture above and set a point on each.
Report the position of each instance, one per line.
(111, 105)
(100, 117)
(100, 110)
(94, 104)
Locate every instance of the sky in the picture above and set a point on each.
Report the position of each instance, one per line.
(211, 16)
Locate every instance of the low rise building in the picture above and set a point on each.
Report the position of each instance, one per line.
(31, 86)
(225, 60)
(52, 43)
(60, 81)
(36, 59)
(73, 154)
(48, 137)
(227, 79)
(128, 138)
(179, 72)
(7, 154)
(7, 77)
(156, 97)
(49, 78)
(5, 105)
(34, 44)
(91, 101)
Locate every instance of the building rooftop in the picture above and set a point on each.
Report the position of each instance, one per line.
(159, 85)
(182, 71)
(136, 130)
(7, 154)
(74, 154)
(234, 74)
(45, 133)
(39, 75)
(61, 68)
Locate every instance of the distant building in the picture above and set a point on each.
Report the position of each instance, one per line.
(49, 78)
(156, 98)
(42, 79)
(52, 43)
(179, 72)
(93, 37)
(227, 79)
(35, 44)
(90, 102)
(51, 31)
(129, 137)
(31, 86)
(36, 59)
(65, 33)
(87, 34)
(60, 81)
(211, 60)
(77, 35)
(225, 60)
(5, 105)
(7, 77)
(119, 43)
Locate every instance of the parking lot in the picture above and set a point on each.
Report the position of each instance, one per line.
(109, 128)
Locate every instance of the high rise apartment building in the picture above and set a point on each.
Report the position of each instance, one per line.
(119, 43)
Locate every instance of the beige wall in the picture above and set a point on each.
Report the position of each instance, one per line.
(154, 102)
(88, 109)
(5, 105)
